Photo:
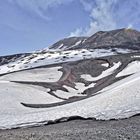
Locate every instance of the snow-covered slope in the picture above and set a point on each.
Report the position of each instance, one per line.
(54, 57)
(120, 100)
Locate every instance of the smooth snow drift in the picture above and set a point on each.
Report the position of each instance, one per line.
(37, 75)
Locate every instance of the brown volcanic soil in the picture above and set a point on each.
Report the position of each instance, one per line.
(127, 129)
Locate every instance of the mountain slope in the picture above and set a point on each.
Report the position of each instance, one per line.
(121, 38)
(50, 85)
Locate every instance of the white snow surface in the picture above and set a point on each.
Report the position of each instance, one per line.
(77, 43)
(36, 75)
(105, 73)
(105, 65)
(132, 68)
(61, 46)
(12, 94)
(135, 56)
(120, 100)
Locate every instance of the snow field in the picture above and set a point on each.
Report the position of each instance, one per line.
(35, 75)
(121, 100)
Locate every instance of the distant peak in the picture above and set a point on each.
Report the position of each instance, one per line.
(118, 37)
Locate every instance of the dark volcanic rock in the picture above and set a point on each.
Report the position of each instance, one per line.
(113, 38)
(117, 36)
(128, 129)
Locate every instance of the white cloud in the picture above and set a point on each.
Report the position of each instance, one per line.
(130, 26)
(100, 14)
(109, 15)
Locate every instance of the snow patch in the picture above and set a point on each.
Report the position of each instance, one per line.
(80, 88)
(135, 56)
(105, 65)
(60, 46)
(132, 68)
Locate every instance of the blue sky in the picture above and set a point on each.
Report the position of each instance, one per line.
(28, 25)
